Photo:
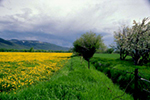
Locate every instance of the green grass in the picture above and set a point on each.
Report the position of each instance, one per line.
(112, 60)
(74, 81)
(116, 69)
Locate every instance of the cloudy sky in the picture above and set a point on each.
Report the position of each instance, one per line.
(63, 21)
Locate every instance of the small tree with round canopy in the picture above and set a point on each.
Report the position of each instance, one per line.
(87, 45)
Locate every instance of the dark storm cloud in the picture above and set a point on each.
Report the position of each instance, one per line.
(149, 2)
(44, 37)
(62, 23)
(1, 5)
(15, 28)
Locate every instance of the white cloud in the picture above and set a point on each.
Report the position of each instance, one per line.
(70, 18)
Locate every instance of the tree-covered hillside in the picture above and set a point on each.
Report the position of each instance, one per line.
(27, 44)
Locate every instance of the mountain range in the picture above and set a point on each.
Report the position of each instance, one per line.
(27, 44)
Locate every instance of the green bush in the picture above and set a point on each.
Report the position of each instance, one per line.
(109, 50)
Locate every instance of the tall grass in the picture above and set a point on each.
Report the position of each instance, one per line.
(74, 81)
(116, 69)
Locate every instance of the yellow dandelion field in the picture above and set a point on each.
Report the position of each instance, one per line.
(23, 69)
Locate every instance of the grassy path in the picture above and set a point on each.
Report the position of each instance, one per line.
(73, 82)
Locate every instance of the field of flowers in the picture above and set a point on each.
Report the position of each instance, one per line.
(23, 69)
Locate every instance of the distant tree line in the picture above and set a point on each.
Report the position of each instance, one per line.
(134, 41)
(30, 50)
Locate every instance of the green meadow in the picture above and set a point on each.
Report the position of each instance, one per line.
(73, 82)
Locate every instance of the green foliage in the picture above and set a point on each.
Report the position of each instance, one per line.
(116, 69)
(73, 82)
(102, 48)
(87, 45)
(31, 49)
(109, 50)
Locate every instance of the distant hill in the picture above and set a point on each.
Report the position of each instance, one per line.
(9, 45)
(27, 44)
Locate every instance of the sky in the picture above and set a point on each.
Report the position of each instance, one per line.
(63, 21)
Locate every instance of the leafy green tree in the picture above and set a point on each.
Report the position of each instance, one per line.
(102, 48)
(87, 45)
(31, 49)
(110, 50)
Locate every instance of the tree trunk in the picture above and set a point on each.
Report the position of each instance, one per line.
(120, 54)
(81, 59)
(145, 58)
(136, 59)
(123, 54)
(89, 64)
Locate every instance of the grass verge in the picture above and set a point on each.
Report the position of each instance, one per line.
(117, 69)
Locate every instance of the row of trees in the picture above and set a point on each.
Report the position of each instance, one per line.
(134, 41)
(30, 50)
